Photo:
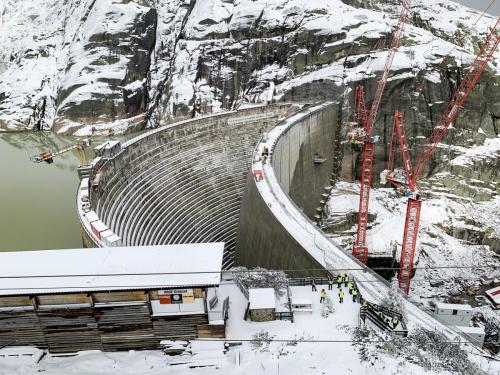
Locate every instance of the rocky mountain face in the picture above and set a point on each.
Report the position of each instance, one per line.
(83, 66)
(66, 64)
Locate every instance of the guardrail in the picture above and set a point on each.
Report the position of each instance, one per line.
(218, 315)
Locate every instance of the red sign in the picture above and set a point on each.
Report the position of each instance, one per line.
(166, 299)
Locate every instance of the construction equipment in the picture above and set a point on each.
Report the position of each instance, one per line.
(48, 156)
(363, 134)
(409, 183)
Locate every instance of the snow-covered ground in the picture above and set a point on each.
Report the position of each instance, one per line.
(441, 213)
(290, 353)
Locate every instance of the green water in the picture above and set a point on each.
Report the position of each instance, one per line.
(37, 201)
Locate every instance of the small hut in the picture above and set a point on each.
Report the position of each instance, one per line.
(262, 304)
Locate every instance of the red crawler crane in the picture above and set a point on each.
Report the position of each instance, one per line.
(364, 134)
(409, 181)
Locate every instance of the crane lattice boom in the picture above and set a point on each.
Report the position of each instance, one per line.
(445, 120)
(450, 113)
(367, 119)
(396, 38)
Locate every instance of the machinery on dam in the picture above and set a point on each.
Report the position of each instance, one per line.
(79, 145)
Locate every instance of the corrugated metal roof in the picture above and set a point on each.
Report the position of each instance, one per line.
(107, 269)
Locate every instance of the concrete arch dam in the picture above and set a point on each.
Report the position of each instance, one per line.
(245, 178)
(180, 183)
(185, 182)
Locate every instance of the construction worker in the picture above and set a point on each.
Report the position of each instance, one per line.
(322, 296)
(330, 283)
(341, 296)
(351, 287)
(346, 279)
(362, 315)
(339, 281)
(354, 295)
(395, 322)
(313, 285)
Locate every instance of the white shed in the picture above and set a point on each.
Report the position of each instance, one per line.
(453, 314)
(473, 334)
(262, 304)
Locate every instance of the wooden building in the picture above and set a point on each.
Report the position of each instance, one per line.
(111, 298)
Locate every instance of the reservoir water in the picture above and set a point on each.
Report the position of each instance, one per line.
(37, 200)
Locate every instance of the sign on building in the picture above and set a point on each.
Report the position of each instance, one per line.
(176, 296)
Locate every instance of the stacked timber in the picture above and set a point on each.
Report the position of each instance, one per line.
(21, 328)
(124, 327)
(70, 330)
(178, 326)
(211, 331)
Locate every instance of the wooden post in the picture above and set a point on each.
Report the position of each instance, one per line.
(146, 292)
(205, 300)
(33, 302)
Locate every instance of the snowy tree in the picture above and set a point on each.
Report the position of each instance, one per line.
(260, 278)
(433, 351)
(395, 300)
(327, 307)
(261, 340)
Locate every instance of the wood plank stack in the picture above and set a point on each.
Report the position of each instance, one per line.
(178, 326)
(21, 328)
(211, 331)
(125, 327)
(70, 330)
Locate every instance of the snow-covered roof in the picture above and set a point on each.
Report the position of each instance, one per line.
(453, 306)
(494, 294)
(91, 216)
(261, 298)
(301, 301)
(106, 145)
(105, 269)
(471, 330)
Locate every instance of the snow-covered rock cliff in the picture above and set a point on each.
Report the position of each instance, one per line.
(68, 64)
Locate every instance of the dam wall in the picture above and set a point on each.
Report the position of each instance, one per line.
(262, 239)
(181, 183)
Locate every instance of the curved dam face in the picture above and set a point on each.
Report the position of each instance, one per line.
(262, 239)
(181, 183)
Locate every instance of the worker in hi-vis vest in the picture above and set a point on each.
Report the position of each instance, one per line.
(341, 296)
(322, 296)
(354, 295)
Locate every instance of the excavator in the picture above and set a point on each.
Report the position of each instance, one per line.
(79, 145)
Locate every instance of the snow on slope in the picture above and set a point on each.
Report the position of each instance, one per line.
(230, 27)
(435, 247)
(59, 54)
(489, 150)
